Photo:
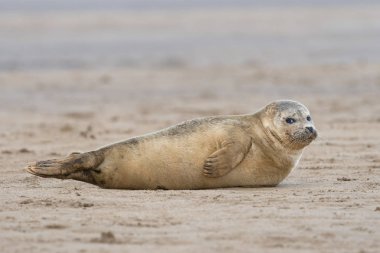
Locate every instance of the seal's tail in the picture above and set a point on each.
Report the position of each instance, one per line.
(75, 166)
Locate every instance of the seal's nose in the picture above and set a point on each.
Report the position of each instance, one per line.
(310, 129)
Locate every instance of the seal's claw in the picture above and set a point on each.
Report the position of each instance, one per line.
(210, 171)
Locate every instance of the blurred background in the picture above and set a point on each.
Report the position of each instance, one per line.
(47, 34)
(78, 74)
(185, 58)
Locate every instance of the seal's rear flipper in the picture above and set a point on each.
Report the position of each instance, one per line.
(75, 166)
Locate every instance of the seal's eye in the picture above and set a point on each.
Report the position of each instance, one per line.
(290, 120)
(308, 118)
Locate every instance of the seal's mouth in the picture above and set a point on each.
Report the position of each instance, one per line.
(313, 135)
(302, 138)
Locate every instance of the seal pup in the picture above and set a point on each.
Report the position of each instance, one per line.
(251, 150)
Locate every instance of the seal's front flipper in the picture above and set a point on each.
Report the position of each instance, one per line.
(227, 157)
(63, 168)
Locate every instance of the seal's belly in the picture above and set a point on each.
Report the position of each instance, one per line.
(178, 165)
(162, 163)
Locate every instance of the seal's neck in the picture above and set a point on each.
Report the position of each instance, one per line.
(271, 143)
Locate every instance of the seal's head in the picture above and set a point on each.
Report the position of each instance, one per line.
(289, 123)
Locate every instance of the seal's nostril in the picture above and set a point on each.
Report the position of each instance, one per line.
(310, 129)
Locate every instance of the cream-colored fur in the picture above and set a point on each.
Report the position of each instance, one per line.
(226, 151)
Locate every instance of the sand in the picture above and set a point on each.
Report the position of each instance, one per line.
(330, 203)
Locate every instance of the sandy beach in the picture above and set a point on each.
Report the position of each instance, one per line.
(78, 80)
